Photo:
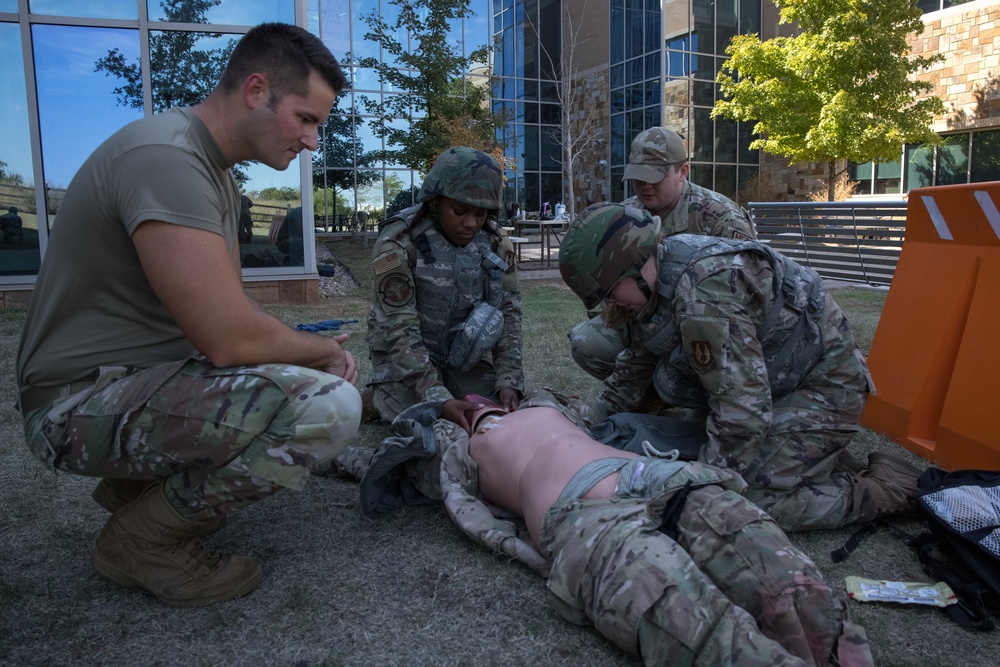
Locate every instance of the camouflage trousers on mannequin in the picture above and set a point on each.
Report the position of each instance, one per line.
(222, 438)
(730, 590)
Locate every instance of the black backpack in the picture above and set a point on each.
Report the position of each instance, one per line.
(962, 509)
(962, 514)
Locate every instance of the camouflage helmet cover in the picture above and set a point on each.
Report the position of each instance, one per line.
(605, 243)
(466, 175)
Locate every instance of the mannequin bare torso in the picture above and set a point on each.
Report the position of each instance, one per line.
(527, 457)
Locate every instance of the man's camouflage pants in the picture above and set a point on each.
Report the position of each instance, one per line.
(222, 438)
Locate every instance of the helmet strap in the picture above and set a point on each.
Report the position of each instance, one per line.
(643, 287)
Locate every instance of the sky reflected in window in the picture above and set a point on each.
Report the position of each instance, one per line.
(77, 106)
(106, 9)
(15, 145)
(236, 12)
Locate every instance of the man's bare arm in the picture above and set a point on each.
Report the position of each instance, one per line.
(199, 281)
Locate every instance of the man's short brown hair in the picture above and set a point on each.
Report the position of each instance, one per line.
(286, 55)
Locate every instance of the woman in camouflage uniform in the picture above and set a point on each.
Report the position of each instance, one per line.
(446, 312)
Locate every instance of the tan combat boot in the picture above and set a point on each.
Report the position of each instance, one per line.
(146, 544)
(112, 494)
(368, 411)
(890, 481)
(847, 462)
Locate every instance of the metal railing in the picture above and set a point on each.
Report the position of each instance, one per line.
(855, 241)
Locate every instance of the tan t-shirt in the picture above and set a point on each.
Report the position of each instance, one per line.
(92, 305)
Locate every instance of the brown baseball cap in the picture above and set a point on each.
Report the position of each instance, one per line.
(653, 151)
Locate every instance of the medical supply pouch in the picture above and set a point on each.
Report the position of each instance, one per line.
(476, 336)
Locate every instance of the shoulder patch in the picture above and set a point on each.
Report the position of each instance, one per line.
(396, 290)
(386, 263)
(702, 357)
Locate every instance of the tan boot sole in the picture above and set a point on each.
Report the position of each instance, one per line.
(111, 571)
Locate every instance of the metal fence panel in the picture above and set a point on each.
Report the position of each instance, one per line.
(855, 241)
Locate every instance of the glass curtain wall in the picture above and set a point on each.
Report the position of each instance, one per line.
(74, 72)
(695, 36)
(528, 37)
(636, 79)
(354, 190)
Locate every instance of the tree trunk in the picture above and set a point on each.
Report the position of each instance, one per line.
(831, 180)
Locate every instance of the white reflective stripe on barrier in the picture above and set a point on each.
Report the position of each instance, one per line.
(939, 224)
(990, 209)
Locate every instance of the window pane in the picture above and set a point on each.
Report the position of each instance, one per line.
(551, 153)
(529, 152)
(701, 174)
(887, 178)
(862, 173)
(745, 138)
(185, 66)
(919, 166)
(953, 160)
(986, 156)
(19, 254)
(618, 149)
(334, 24)
(725, 180)
(703, 140)
(552, 190)
(78, 107)
(725, 141)
(108, 9)
(226, 12)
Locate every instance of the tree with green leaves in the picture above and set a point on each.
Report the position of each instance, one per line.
(181, 74)
(439, 96)
(843, 88)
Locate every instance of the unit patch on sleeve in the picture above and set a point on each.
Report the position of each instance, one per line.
(705, 341)
(396, 290)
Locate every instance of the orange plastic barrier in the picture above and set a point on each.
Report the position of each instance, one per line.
(935, 358)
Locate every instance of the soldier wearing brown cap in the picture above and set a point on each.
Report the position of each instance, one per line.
(658, 168)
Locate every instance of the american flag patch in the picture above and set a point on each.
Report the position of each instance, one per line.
(387, 263)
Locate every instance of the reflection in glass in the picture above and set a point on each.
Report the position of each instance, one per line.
(107, 9)
(953, 160)
(887, 177)
(328, 19)
(77, 107)
(919, 166)
(985, 156)
(343, 159)
(19, 245)
(221, 12)
(360, 47)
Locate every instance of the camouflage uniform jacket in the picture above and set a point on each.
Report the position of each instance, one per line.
(703, 211)
(734, 326)
(421, 279)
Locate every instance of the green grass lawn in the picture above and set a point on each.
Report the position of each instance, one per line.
(343, 589)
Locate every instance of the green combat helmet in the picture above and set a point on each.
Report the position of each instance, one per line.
(466, 175)
(605, 243)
